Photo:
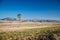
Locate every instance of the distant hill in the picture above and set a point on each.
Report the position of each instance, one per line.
(41, 20)
(9, 19)
(34, 20)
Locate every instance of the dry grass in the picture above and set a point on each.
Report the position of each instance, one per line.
(28, 30)
(32, 34)
(21, 26)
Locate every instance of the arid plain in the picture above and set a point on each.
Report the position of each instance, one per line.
(21, 26)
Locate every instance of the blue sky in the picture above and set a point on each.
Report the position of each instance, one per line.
(30, 9)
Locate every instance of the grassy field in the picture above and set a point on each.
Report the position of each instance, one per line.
(5, 27)
(32, 34)
(30, 31)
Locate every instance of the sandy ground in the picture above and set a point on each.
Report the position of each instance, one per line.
(5, 27)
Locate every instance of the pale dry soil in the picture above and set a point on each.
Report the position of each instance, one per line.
(5, 27)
